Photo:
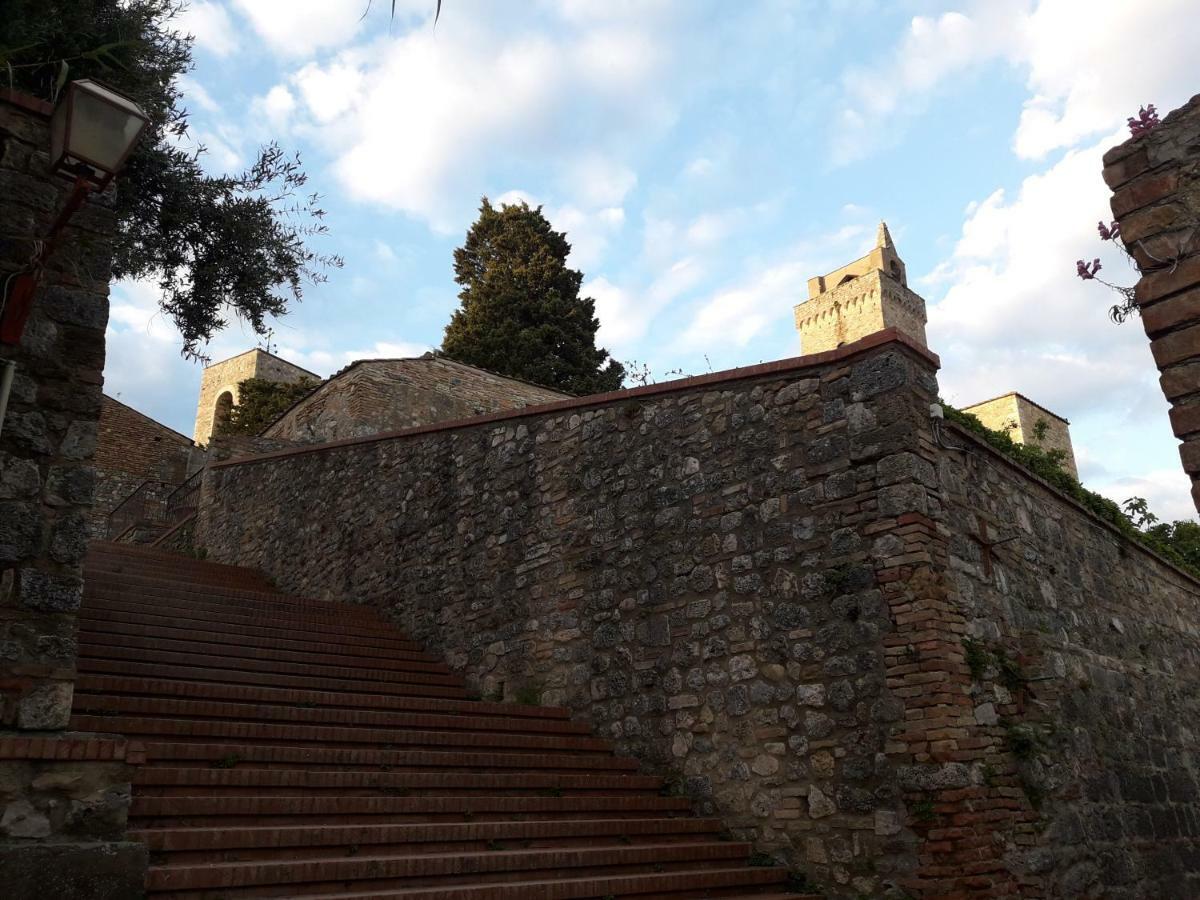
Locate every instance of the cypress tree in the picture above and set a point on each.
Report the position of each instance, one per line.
(521, 314)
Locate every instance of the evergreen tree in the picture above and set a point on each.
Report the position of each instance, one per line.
(521, 313)
(261, 402)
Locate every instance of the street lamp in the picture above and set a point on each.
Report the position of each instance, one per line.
(92, 132)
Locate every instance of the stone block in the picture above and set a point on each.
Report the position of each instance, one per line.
(46, 707)
(20, 530)
(1144, 191)
(49, 592)
(1122, 170)
(1161, 284)
(19, 478)
(1170, 313)
(1185, 419)
(1180, 380)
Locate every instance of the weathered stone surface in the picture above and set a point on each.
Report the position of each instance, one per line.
(98, 871)
(46, 707)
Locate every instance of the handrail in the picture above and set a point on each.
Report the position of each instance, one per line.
(149, 503)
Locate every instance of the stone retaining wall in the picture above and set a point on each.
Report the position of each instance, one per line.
(761, 583)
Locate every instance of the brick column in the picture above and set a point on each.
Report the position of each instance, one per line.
(1156, 183)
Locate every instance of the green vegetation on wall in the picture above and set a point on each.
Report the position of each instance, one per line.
(261, 402)
(1178, 541)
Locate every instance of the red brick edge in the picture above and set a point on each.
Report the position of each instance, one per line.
(26, 102)
(107, 749)
(728, 376)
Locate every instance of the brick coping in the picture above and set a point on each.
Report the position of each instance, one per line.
(887, 337)
(980, 444)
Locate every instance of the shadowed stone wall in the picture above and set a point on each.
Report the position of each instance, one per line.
(767, 584)
(60, 825)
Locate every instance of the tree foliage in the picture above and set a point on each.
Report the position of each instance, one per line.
(261, 402)
(521, 313)
(217, 245)
(1179, 542)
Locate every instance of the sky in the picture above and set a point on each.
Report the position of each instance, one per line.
(705, 159)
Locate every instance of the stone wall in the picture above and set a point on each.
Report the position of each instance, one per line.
(46, 489)
(1086, 656)
(771, 585)
(131, 449)
(1156, 199)
(372, 396)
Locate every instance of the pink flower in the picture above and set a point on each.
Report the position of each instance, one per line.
(1087, 271)
(1147, 118)
(1109, 232)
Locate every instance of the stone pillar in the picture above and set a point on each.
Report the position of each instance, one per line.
(63, 797)
(1156, 183)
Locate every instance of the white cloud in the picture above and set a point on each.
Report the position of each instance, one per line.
(1016, 317)
(1167, 492)
(1082, 70)
(626, 317)
(737, 315)
(194, 92)
(277, 106)
(422, 122)
(699, 167)
(299, 28)
(211, 25)
(1079, 62)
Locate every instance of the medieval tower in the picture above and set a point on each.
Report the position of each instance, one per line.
(219, 386)
(866, 296)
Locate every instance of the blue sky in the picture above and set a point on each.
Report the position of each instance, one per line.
(705, 158)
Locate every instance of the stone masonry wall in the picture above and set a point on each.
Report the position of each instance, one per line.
(379, 395)
(47, 481)
(693, 568)
(1156, 199)
(889, 663)
(1086, 657)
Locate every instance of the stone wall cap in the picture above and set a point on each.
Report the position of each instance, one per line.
(264, 353)
(889, 337)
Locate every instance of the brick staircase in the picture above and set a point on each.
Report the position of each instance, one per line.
(304, 749)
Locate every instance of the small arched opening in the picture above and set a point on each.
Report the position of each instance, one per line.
(846, 278)
(222, 410)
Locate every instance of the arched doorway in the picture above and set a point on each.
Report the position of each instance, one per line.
(222, 410)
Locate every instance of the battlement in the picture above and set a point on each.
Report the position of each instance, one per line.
(859, 299)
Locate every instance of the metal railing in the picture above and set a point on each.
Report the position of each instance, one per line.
(155, 504)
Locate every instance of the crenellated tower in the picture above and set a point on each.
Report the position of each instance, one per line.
(866, 296)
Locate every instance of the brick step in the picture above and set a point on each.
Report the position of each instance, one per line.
(333, 627)
(250, 732)
(176, 708)
(138, 617)
(380, 871)
(675, 885)
(253, 664)
(161, 781)
(200, 811)
(414, 836)
(179, 570)
(244, 756)
(206, 690)
(273, 679)
(232, 643)
(110, 549)
(149, 589)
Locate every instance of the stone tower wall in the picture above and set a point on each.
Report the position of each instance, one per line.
(224, 377)
(1017, 416)
(867, 304)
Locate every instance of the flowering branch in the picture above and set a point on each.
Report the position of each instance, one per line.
(1147, 119)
